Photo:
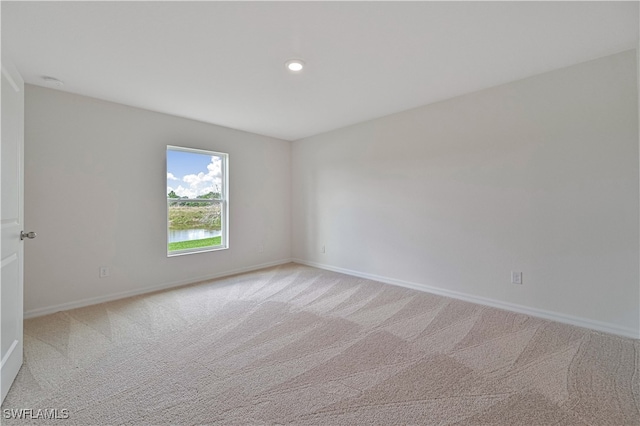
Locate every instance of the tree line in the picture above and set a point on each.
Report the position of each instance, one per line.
(189, 201)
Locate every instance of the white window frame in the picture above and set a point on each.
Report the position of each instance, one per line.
(224, 201)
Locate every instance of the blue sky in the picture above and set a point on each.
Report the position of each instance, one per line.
(192, 174)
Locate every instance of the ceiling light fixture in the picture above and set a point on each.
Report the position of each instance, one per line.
(51, 81)
(294, 65)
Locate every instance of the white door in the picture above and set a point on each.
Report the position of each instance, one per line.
(11, 218)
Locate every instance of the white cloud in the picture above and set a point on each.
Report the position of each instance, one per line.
(185, 192)
(170, 176)
(203, 183)
(215, 167)
(193, 180)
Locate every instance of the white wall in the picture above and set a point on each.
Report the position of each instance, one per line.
(539, 176)
(95, 193)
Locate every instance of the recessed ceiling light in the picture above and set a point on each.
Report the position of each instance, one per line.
(295, 65)
(51, 81)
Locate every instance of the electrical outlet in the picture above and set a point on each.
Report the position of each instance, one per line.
(104, 271)
(516, 277)
(322, 249)
(260, 248)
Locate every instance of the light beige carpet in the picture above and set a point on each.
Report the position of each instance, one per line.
(298, 345)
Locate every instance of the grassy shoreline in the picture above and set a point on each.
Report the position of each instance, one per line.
(185, 245)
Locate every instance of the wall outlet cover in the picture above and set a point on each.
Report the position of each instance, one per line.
(104, 271)
(516, 277)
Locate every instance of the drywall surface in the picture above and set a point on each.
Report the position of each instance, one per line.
(538, 176)
(95, 183)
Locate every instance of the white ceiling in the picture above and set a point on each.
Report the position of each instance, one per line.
(223, 62)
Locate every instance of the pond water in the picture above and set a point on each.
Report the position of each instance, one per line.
(191, 234)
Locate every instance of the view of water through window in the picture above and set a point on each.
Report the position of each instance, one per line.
(192, 234)
(195, 200)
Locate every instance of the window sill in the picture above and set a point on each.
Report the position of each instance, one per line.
(195, 251)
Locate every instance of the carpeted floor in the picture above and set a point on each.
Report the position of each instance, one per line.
(298, 345)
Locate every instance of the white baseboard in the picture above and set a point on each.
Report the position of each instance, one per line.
(534, 312)
(115, 296)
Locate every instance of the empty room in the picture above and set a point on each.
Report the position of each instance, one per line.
(320, 213)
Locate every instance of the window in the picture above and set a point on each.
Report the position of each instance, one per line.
(197, 201)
